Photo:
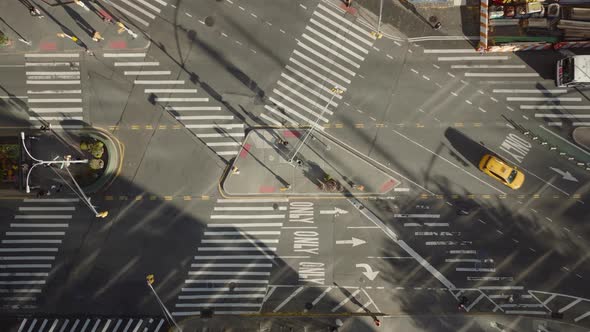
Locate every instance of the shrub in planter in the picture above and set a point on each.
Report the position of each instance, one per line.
(3, 39)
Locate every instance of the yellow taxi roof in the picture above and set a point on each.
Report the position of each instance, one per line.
(497, 166)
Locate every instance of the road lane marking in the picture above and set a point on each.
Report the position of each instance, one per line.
(124, 55)
(469, 74)
(229, 257)
(43, 216)
(343, 302)
(554, 91)
(472, 58)
(147, 72)
(52, 55)
(176, 99)
(158, 82)
(333, 42)
(170, 91)
(450, 50)
(448, 161)
(128, 13)
(242, 225)
(543, 99)
(340, 36)
(487, 66)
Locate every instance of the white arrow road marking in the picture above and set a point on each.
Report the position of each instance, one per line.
(369, 273)
(335, 211)
(355, 242)
(566, 175)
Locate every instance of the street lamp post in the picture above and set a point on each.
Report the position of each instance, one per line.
(336, 91)
(65, 163)
(378, 33)
(150, 280)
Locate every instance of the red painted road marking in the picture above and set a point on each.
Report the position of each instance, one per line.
(118, 44)
(48, 46)
(388, 185)
(104, 14)
(245, 150)
(349, 10)
(291, 133)
(267, 189)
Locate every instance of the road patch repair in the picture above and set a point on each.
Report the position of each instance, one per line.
(296, 162)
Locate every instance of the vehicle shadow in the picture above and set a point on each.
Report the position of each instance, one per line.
(472, 151)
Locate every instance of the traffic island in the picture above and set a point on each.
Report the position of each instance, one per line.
(93, 158)
(295, 162)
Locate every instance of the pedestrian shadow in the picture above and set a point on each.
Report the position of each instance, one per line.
(80, 21)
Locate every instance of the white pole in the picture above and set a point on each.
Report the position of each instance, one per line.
(336, 91)
(163, 306)
(380, 11)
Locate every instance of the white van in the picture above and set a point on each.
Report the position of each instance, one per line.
(573, 71)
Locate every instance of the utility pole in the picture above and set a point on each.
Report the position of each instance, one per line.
(65, 164)
(377, 34)
(150, 281)
(336, 91)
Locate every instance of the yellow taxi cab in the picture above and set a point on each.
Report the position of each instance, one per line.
(498, 169)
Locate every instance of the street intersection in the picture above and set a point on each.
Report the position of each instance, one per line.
(183, 98)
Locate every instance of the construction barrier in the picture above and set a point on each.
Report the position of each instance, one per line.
(483, 25)
(520, 47)
(577, 44)
(484, 38)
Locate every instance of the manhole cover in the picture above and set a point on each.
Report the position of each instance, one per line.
(209, 21)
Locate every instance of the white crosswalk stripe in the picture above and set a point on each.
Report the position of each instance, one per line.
(532, 97)
(28, 249)
(189, 106)
(233, 263)
(83, 324)
(331, 48)
(44, 78)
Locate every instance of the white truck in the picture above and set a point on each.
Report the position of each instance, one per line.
(573, 71)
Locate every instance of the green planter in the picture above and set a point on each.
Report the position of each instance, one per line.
(3, 39)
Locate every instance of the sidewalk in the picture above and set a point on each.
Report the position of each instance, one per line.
(416, 19)
(322, 166)
(31, 34)
(405, 323)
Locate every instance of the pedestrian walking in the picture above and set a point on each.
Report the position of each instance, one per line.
(437, 26)
(97, 37)
(59, 186)
(41, 193)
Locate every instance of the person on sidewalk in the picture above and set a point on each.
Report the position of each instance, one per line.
(97, 37)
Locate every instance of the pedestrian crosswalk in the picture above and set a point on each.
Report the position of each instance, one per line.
(206, 119)
(54, 88)
(519, 86)
(29, 249)
(232, 268)
(140, 11)
(83, 324)
(330, 50)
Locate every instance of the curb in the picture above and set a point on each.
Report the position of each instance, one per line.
(344, 195)
(116, 152)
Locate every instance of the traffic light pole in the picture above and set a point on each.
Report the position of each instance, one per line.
(150, 280)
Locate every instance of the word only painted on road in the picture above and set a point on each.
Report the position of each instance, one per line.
(306, 241)
(516, 146)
